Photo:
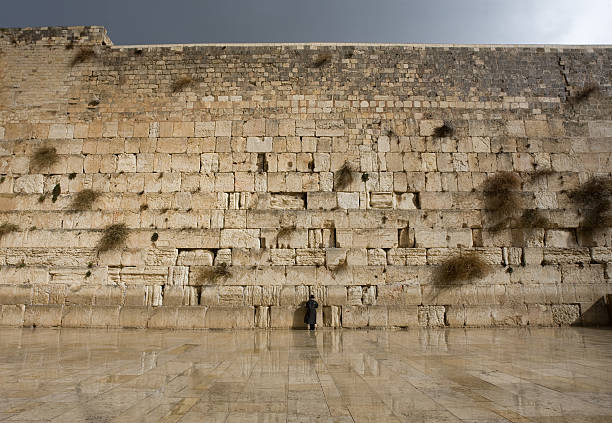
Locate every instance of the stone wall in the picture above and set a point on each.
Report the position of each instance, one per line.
(228, 159)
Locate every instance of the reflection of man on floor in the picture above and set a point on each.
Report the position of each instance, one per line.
(311, 312)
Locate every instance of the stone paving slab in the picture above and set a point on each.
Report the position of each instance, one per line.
(539, 375)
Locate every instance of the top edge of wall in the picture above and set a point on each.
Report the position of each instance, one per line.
(97, 35)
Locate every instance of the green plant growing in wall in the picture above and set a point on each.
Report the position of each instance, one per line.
(7, 228)
(462, 268)
(443, 131)
(44, 157)
(502, 199)
(343, 177)
(181, 83)
(84, 200)
(113, 237)
(594, 198)
(213, 275)
(82, 56)
(57, 190)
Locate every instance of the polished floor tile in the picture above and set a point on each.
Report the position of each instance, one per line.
(544, 375)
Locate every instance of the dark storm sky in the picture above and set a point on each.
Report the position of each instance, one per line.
(394, 21)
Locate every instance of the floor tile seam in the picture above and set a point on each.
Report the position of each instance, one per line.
(246, 385)
(382, 402)
(344, 402)
(319, 379)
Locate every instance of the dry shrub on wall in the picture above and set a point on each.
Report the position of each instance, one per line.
(114, 237)
(181, 83)
(6, 228)
(533, 218)
(443, 131)
(82, 56)
(84, 200)
(284, 234)
(594, 198)
(213, 275)
(502, 199)
(322, 59)
(462, 268)
(344, 177)
(583, 94)
(43, 158)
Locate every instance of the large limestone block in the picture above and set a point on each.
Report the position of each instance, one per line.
(230, 317)
(354, 316)
(25, 275)
(332, 316)
(436, 200)
(254, 127)
(76, 316)
(43, 316)
(455, 316)
(329, 128)
(149, 275)
(378, 316)
(509, 315)
(259, 144)
(189, 238)
(583, 274)
(287, 317)
(566, 255)
(381, 200)
(479, 316)
(105, 316)
(262, 317)
(535, 274)
(539, 315)
(190, 317)
(337, 295)
(431, 316)
(367, 238)
(560, 239)
(178, 275)
(407, 256)
(15, 294)
(29, 184)
(404, 317)
(322, 200)
(12, 315)
(196, 257)
(231, 295)
(134, 317)
(292, 238)
(163, 318)
(239, 238)
(310, 257)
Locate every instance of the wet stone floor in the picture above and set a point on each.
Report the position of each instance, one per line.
(455, 375)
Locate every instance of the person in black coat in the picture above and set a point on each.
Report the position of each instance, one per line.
(311, 312)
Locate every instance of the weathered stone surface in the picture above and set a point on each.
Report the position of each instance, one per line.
(354, 316)
(43, 316)
(566, 314)
(249, 179)
(230, 317)
(431, 316)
